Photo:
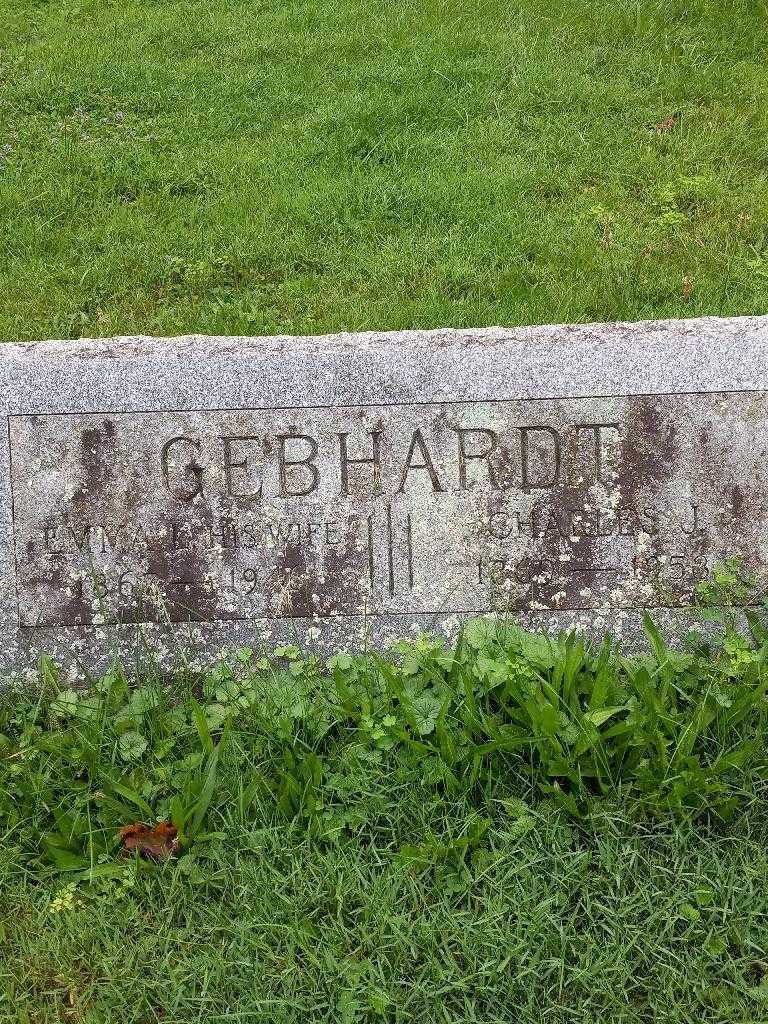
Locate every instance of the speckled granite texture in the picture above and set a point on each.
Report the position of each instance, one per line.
(189, 494)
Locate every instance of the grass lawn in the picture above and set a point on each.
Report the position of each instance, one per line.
(625, 924)
(233, 166)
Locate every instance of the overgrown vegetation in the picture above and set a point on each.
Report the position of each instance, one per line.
(435, 783)
(676, 731)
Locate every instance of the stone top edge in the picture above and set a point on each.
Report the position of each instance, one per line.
(128, 346)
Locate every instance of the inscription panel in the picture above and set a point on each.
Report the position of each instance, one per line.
(204, 516)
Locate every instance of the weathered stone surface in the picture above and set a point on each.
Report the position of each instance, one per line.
(188, 494)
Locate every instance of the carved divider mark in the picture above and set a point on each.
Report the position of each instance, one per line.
(409, 549)
(398, 545)
(371, 566)
(390, 552)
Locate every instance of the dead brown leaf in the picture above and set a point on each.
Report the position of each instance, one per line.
(667, 124)
(158, 843)
(687, 286)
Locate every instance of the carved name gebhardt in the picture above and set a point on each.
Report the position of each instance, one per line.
(459, 507)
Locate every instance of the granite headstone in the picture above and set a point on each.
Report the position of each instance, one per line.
(191, 494)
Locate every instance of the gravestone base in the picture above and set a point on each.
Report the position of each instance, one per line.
(194, 647)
